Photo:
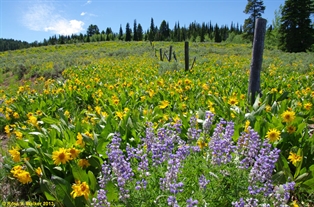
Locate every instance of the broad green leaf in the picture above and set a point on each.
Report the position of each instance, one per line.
(79, 173)
(92, 181)
(50, 120)
(112, 192)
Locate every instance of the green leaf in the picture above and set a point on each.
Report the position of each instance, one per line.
(49, 197)
(309, 184)
(79, 173)
(283, 96)
(112, 192)
(63, 189)
(301, 178)
(299, 165)
(92, 181)
(50, 120)
(31, 149)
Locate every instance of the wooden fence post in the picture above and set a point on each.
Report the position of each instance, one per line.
(186, 55)
(170, 52)
(160, 53)
(257, 59)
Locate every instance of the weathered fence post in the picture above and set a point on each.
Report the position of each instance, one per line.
(174, 56)
(257, 59)
(160, 53)
(186, 55)
(170, 52)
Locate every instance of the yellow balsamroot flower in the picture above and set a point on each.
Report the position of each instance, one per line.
(15, 154)
(288, 116)
(119, 114)
(233, 101)
(18, 134)
(33, 120)
(164, 104)
(273, 135)
(294, 158)
(98, 109)
(79, 140)
(90, 135)
(7, 130)
(294, 204)
(61, 156)
(16, 115)
(80, 189)
(83, 163)
(38, 171)
(306, 106)
(22, 175)
(66, 114)
(201, 144)
(74, 152)
(291, 129)
(268, 108)
(246, 127)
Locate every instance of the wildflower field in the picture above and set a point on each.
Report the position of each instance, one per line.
(109, 124)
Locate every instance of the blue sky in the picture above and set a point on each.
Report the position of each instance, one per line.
(34, 20)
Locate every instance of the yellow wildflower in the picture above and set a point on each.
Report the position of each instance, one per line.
(306, 106)
(294, 158)
(74, 152)
(288, 116)
(80, 189)
(15, 154)
(83, 163)
(273, 135)
(7, 130)
(201, 144)
(18, 134)
(38, 171)
(61, 156)
(291, 129)
(79, 140)
(164, 104)
(16, 115)
(233, 101)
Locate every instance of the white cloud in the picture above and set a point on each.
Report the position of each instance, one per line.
(65, 27)
(89, 2)
(83, 13)
(43, 17)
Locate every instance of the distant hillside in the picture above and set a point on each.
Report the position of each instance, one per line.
(11, 44)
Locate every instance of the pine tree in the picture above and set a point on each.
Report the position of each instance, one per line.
(255, 8)
(135, 37)
(296, 32)
(128, 31)
(139, 32)
(151, 35)
(120, 33)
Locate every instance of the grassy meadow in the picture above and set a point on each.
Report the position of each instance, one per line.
(79, 123)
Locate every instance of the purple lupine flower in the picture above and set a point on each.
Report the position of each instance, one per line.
(221, 144)
(101, 200)
(209, 116)
(260, 177)
(170, 175)
(248, 145)
(141, 184)
(193, 132)
(202, 182)
(120, 166)
(172, 201)
(249, 202)
(191, 203)
(281, 194)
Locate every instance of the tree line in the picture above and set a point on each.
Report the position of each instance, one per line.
(291, 30)
(194, 32)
